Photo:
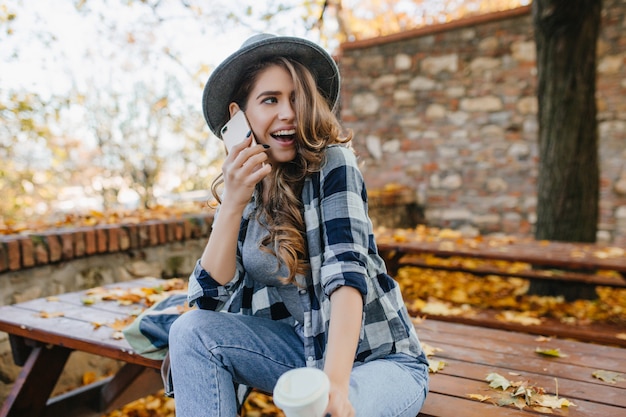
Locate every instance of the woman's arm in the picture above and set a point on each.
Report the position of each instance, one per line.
(242, 170)
(346, 312)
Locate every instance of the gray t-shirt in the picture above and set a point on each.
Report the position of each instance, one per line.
(263, 267)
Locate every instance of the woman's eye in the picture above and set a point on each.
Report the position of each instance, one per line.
(270, 100)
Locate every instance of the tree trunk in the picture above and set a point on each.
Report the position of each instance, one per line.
(566, 33)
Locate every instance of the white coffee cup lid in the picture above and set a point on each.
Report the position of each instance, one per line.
(299, 387)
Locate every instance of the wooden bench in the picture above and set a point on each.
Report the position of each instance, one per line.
(42, 345)
(552, 261)
(577, 263)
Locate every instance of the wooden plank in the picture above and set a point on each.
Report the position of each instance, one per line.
(461, 388)
(437, 326)
(577, 353)
(552, 254)
(545, 275)
(442, 405)
(538, 365)
(77, 334)
(594, 389)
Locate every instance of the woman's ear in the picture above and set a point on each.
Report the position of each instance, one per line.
(233, 108)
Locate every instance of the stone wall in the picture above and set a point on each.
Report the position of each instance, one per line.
(449, 111)
(64, 260)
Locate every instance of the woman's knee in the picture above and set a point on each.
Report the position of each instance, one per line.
(190, 327)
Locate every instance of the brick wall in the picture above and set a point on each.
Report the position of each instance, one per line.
(449, 112)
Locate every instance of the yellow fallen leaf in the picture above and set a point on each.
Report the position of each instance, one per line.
(552, 401)
(523, 318)
(117, 335)
(50, 315)
(498, 381)
(435, 366)
(608, 376)
(479, 397)
(53, 298)
(543, 339)
(430, 350)
(556, 353)
(89, 377)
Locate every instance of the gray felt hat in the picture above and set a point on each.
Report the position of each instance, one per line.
(223, 81)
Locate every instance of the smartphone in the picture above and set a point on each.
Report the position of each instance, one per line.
(235, 130)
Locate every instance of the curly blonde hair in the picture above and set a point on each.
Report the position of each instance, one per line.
(316, 128)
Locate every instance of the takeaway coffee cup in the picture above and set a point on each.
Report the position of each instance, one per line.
(302, 392)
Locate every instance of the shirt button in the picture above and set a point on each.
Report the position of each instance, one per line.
(302, 291)
(310, 358)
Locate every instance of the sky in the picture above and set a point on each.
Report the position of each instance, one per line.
(54, 47)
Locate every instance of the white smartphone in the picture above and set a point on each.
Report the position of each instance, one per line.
(235, 130)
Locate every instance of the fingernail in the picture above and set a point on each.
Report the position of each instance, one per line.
(249, 133)
(266, 146)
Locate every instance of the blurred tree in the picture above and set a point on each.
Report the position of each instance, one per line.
(566, 34)
(122, 113)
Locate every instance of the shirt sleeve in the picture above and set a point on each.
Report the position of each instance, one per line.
(345, 223)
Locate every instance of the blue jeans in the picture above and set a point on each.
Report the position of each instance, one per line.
(209, 351)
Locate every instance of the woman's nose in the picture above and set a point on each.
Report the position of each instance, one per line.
(286, 111)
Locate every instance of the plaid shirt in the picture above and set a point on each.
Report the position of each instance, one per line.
(342, 251)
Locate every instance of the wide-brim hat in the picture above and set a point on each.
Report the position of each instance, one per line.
(223, 81)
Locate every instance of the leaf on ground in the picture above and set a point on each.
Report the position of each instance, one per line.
(117, 335)
(52, 298)
(435, 366)
(498, 381)
(555, 353)
(608, 376)
(89, 377)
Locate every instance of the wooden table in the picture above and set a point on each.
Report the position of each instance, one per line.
(42, 345)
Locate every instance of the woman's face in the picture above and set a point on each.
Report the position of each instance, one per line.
(271, 113)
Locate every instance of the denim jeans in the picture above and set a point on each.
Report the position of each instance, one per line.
(209, 351)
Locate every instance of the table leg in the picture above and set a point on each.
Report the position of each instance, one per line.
(35, 382)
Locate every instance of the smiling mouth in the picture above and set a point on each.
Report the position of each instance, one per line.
(285, 135)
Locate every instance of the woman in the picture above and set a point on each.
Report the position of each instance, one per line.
(291, 252)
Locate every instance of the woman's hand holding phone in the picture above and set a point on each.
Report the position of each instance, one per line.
(245, 164)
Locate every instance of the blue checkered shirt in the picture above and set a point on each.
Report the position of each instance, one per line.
(342, 251)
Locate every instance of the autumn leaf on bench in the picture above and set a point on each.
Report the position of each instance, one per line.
(438, 308)
(498, 381)
(608, 376)
(435, 366)
(524, 318)
(521, 394)
(555, 353)
(50, 315)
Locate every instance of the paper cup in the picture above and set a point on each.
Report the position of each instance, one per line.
(302, 392)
